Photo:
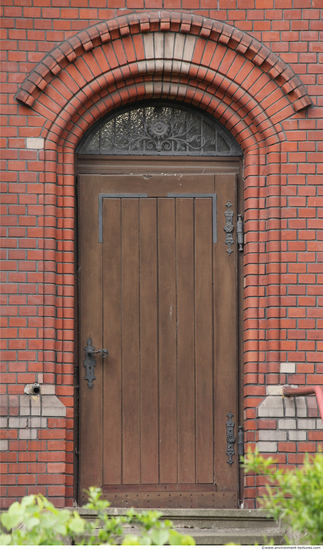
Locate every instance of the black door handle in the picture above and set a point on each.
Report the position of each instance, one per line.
(90, 362)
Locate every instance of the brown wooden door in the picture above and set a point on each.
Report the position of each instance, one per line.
(159, 291)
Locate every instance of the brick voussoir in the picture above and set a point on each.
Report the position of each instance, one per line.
(164, 21)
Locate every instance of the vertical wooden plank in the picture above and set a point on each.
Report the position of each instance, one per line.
(136, 434)
(90, 288)
(148, 341)
(111, 273)
(225, 335)
(167, 342)
(130, 342)
(185, 339)
(204, 340)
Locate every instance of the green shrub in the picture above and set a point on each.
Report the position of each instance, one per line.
(35, 521)
(293, 496)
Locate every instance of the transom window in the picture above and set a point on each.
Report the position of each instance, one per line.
(159, 129)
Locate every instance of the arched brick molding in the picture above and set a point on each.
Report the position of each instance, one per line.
(184, 24)
(185, 58)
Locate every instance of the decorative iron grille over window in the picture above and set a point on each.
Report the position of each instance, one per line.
(159, 129)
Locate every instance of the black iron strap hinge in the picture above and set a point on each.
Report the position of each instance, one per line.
(229, 228)
(230, 438)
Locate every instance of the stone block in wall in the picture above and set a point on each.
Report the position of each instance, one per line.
(306, 424)
(24, 409)
(294, 417)
(267, 446)
(28, 413)
(48, 389)
(301, 408)
(319, 424)
(274, 390)
(18, 422)
(287, 424)
(52, 406)
(272, 435)
(287, 368)
(31, 421)
(290, 409)
(9, 404)
(35, 405)
(28, 433)
(312, 408)
(297, 435)
(38, 422)
(35, 143)
(272, 406)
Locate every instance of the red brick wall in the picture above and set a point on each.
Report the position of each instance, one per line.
(282, 141)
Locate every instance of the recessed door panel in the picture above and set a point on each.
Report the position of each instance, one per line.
(158, 290)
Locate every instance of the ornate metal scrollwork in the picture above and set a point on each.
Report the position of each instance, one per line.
(90, 362)
(162, 129)
(228, 228)
(230, 438)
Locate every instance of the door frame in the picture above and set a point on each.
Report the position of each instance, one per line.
(118, 165)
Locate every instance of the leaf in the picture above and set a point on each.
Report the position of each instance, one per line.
(159, 537)
(31, 522)
(47, 521)
(175, 539)
(27, 501)
(63, 516)
(5, 540)
(130, 540)
(145, 540)
(40, 503)
(46, 525)
(77, 524)
(187, 540)
(13, 517)
(61, 529)
(295, 497)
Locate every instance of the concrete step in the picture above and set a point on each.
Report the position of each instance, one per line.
(233, 535)
(215, 527)
(237, 536)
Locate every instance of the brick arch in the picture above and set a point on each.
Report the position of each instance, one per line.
(128, 28)
(251, 131)
(223, 70)
(65, 132)
(182, 57)
(177, 56)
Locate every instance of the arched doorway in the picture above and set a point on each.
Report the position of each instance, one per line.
(158, 279)
(197, 61)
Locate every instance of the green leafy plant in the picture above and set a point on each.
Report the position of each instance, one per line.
(152, 530)
(35, 521)
(293, 496)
